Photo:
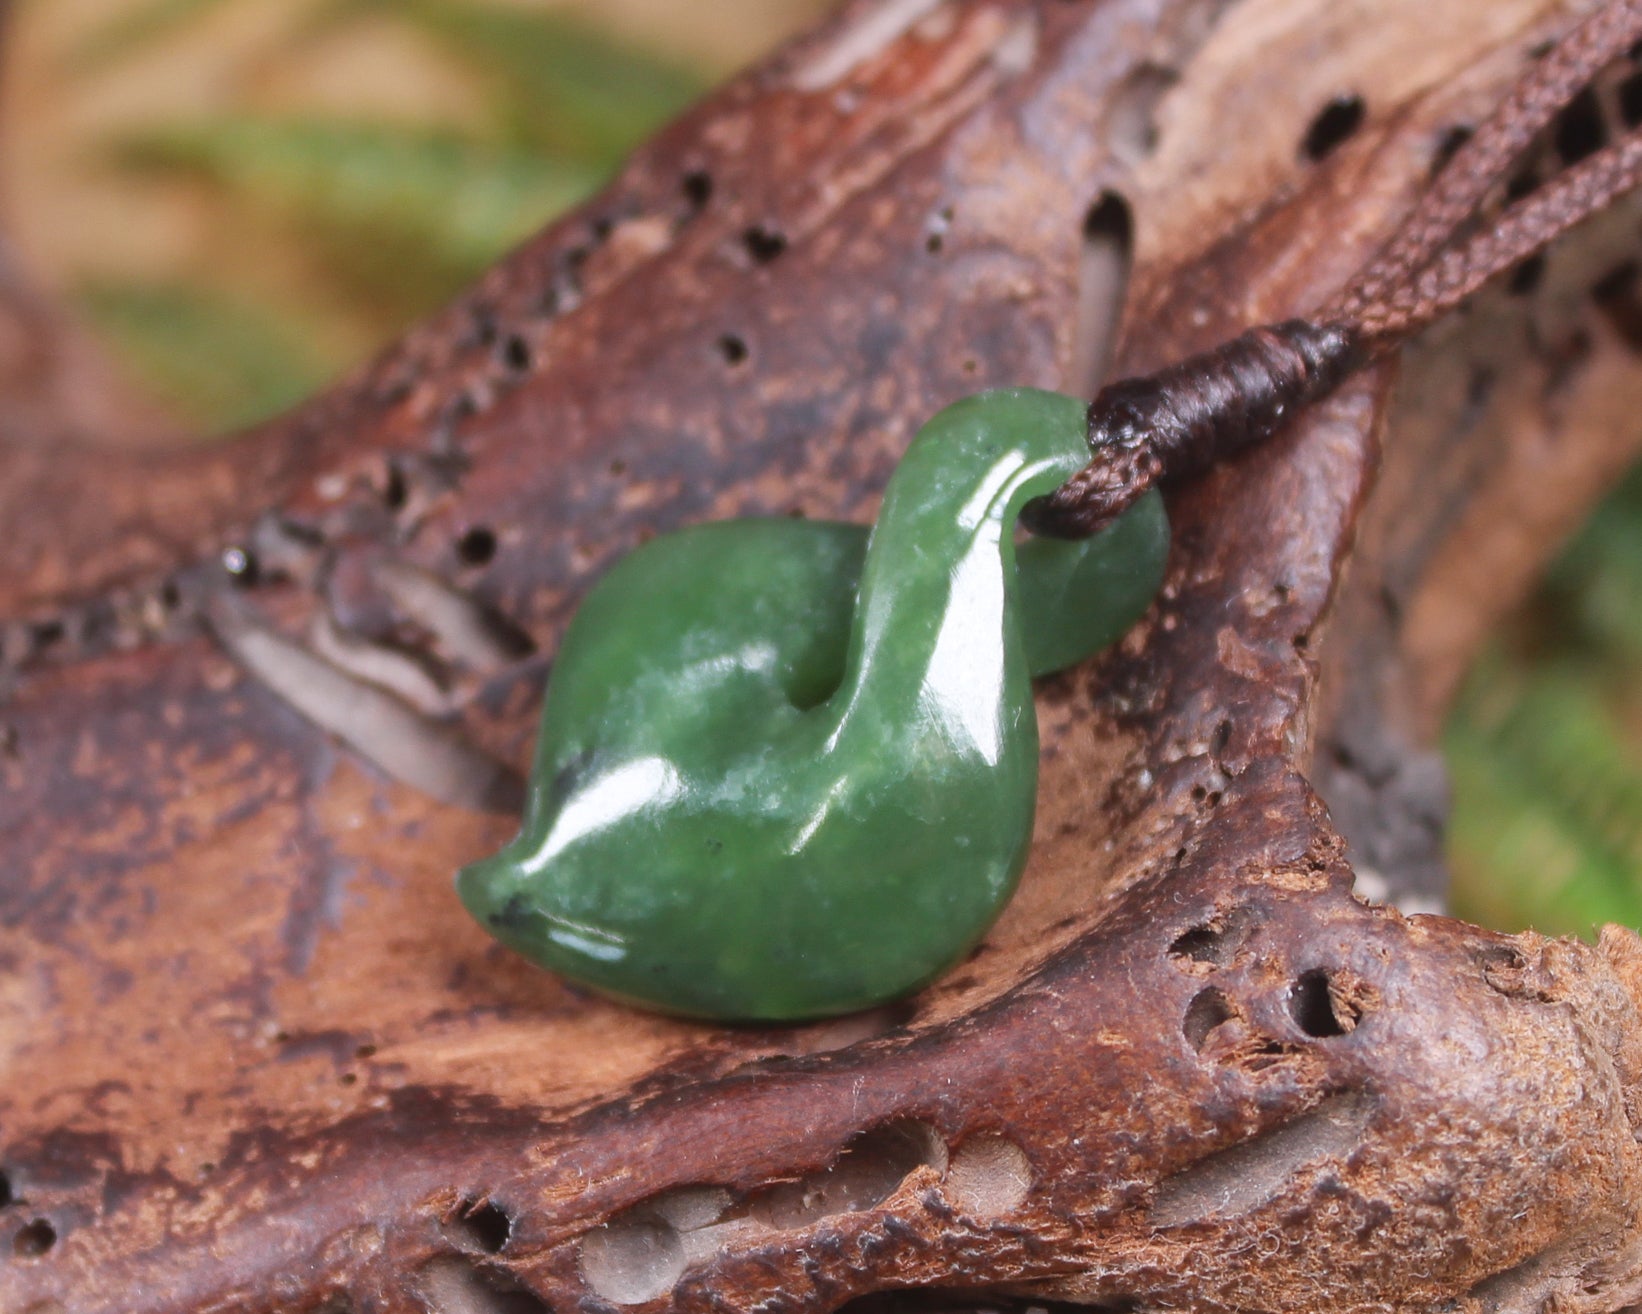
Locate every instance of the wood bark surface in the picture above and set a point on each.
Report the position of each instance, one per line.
(255, 1058)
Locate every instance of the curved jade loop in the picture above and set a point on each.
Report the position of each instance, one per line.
(787, 771)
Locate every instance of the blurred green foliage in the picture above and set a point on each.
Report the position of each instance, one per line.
(399, 217)
(396, 217)
(253, 366)
(133, 31)
(1545, 742)
(560, 88)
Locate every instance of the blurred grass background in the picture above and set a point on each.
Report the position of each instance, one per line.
(246, 196)
(1545, 744)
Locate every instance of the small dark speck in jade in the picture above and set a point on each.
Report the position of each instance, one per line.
(787, 769)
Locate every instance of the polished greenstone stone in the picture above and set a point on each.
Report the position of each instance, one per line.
(788, 770)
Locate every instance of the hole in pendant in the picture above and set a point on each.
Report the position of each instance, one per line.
(813, 678)
(733, 349)
(807, 690)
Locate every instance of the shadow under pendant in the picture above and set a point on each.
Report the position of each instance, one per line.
(788, 769)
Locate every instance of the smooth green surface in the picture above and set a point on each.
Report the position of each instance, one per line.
(786, 771)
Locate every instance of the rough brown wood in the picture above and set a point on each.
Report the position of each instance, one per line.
(256, 1059)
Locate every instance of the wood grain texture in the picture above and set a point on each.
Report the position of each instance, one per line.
(256, 1059)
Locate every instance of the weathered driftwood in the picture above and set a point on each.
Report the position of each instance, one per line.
(256, 1059)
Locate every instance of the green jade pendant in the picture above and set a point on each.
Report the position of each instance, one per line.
(788, 770)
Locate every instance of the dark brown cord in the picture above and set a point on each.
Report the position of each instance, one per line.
(1182, 419)
(1490, 152)
(1191, 414)
(1527, 227)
